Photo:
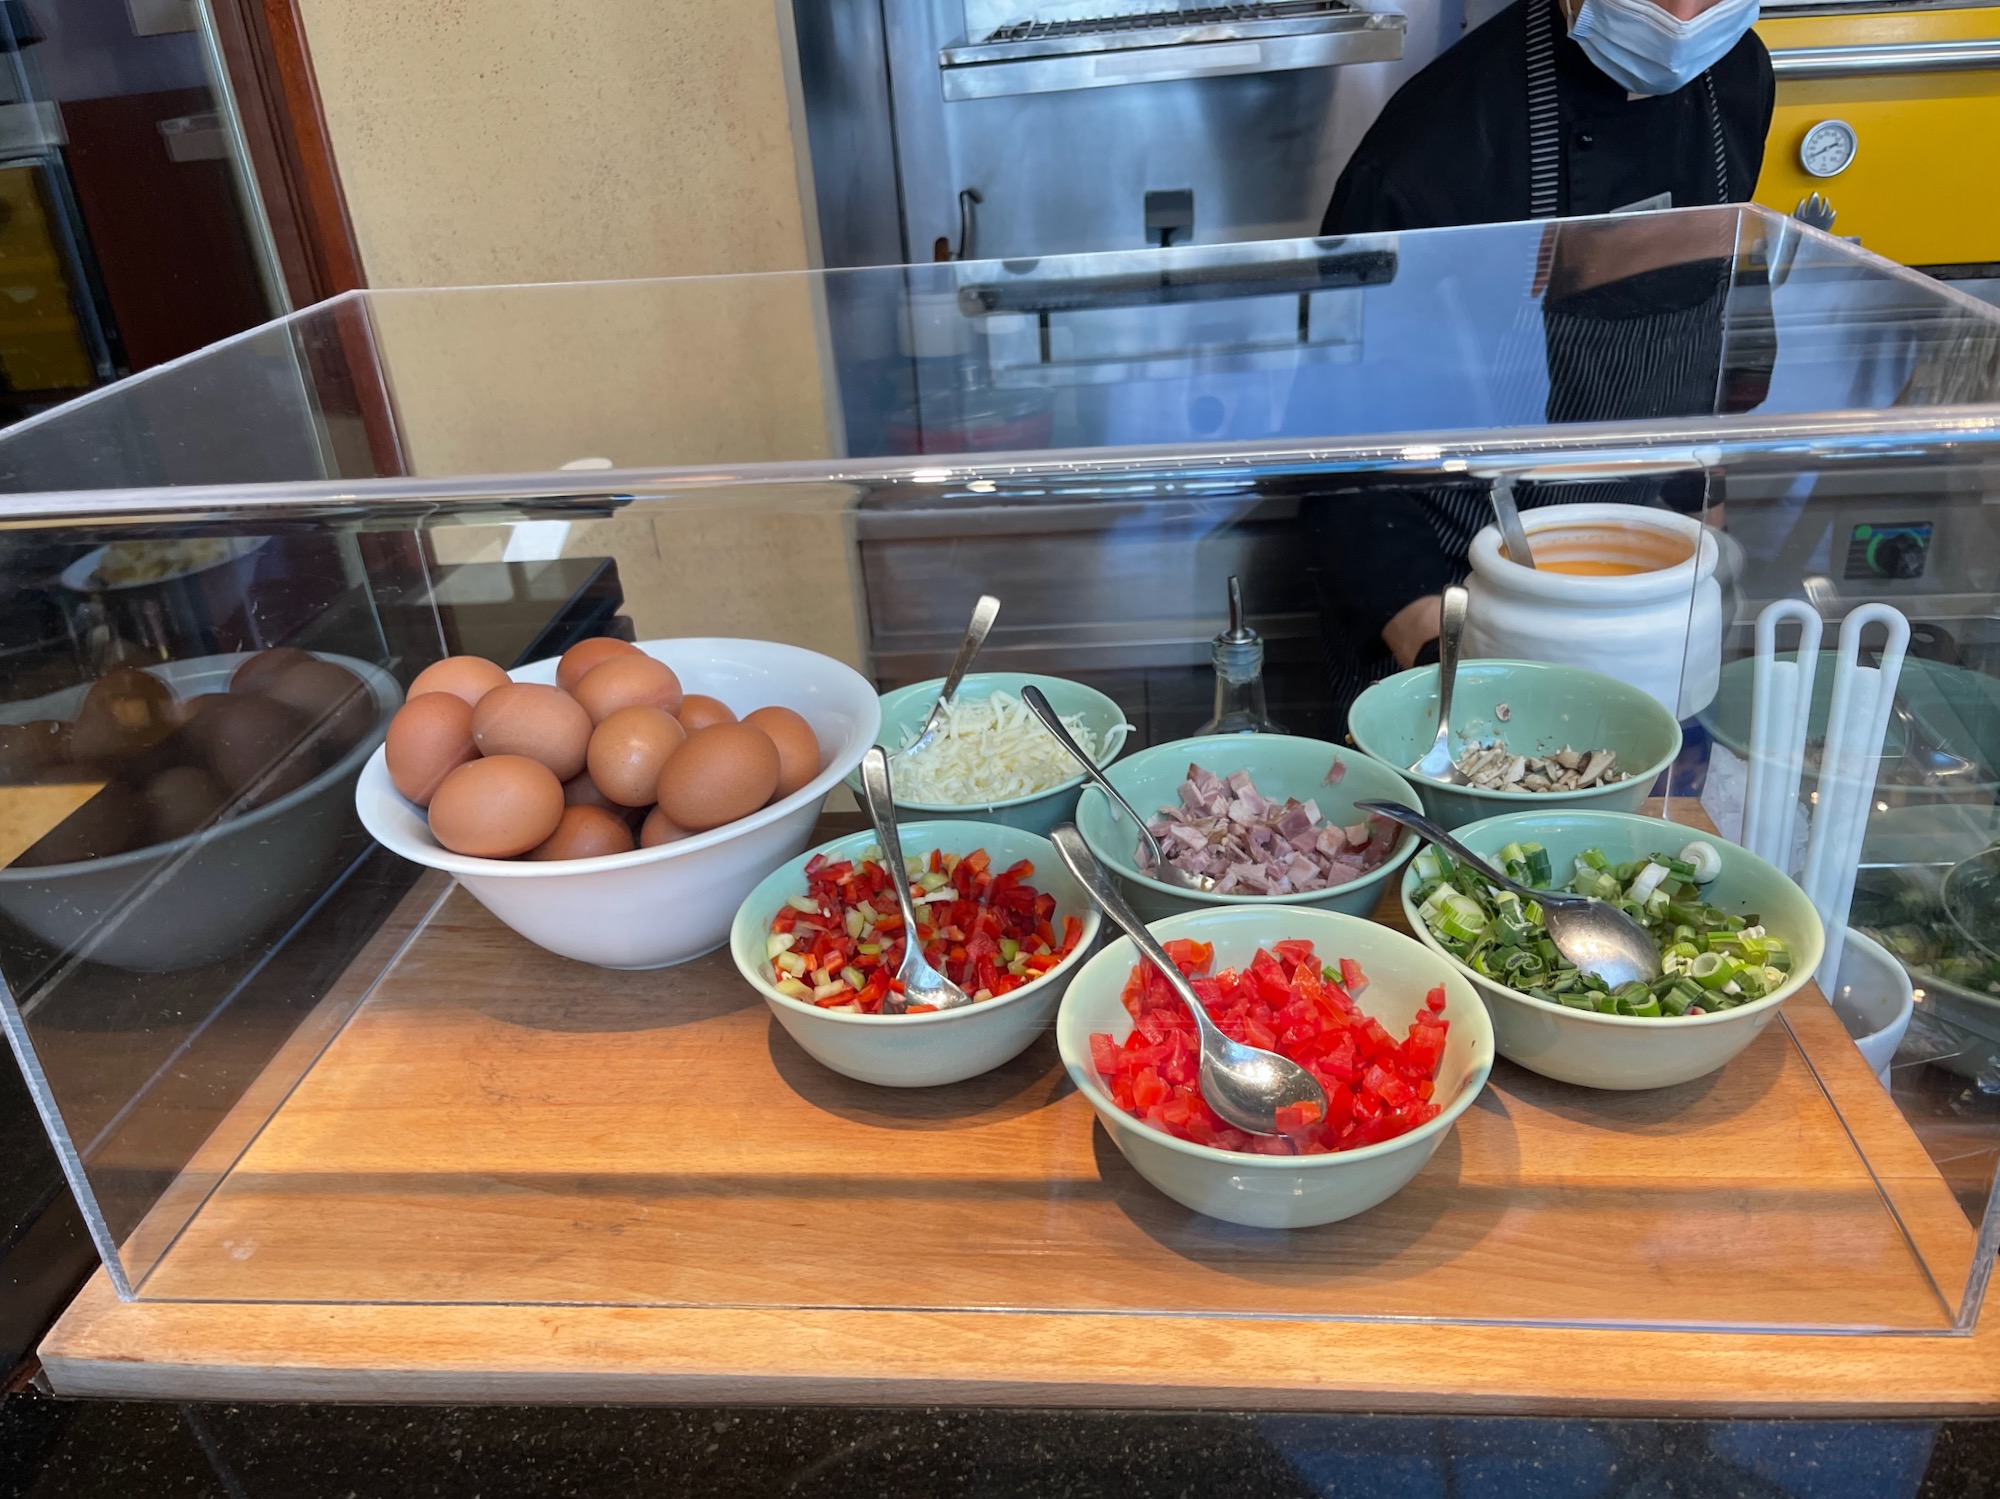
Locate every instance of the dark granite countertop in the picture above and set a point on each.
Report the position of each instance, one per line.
(84, 1450)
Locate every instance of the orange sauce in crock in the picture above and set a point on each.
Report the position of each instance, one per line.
(1592, 567)
(1608, 551)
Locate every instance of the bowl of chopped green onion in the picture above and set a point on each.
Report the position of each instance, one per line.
(1737, 939)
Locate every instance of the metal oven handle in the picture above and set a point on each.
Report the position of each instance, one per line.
(1895, 57)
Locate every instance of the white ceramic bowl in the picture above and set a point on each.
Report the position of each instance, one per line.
(1630, 1052)
(207, 896)
(657, 906)
(1262, 1191)
(1874, 998)
(947, 1046)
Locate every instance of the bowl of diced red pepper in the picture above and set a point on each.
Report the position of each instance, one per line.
(1396, 1036)
(998, 914)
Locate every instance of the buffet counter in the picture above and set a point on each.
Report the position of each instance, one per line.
(417, 1021)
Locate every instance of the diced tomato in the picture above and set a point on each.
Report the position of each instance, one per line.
(1284, 1000)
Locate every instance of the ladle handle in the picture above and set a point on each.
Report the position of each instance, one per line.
(1104, 894)
(1451, 631)
(1416, 822)
(880, 802)
(1039, 706)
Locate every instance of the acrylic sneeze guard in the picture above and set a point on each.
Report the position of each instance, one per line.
(283, 1065)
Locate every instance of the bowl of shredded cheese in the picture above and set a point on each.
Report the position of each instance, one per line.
(992, 760)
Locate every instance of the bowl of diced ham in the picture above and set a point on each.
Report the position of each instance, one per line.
(1270, 818)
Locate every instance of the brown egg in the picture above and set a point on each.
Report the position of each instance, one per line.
(629, 750)
(429, 738)
(580, 658)
(332, 698)
(109, 823)
(469, 677)
(634, 681)
(180, 800)
(585, 833)
(527, 718)
(660, 828)
(261, 670)
(699, 711)
(497, 807)
(28, 748)
(719, 775)
(125, 722)
(258, 749)
(798, 746)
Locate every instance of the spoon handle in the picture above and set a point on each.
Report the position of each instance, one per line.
(1106, 897)
(1513, 535)
(1416, 822)
(1039, 706)
(881, 805)
(1451, 631)
(976, 630)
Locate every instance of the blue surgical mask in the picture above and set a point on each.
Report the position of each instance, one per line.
(1650, 52)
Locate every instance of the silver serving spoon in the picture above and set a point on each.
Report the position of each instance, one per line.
(976, 630)
(1596, 936)
(1245, 1085)
(1513, 535)
(1438, 762)
(1164, 872)
(1930, 762)
(922, 984)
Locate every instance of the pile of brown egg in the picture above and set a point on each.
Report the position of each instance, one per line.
(519, 769)
(172, 766)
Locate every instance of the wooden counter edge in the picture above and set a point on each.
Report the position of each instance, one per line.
(102, 1347)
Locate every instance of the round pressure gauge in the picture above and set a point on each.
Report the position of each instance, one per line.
(1828, 148)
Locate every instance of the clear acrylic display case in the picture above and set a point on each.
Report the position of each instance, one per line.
(283, 1066)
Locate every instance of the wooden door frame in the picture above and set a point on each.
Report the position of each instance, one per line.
(263, 46)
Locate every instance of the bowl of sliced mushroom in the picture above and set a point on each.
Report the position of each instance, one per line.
(1524, 733)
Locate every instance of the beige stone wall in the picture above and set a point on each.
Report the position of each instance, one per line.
(510, 141)
(485, 141)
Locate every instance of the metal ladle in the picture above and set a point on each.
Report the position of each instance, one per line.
(1438, 763)
(922, 984)
(1596, 936)
(1165, 873)
(976, 630)
(1245, 1085)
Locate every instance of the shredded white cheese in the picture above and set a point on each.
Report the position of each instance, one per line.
(986, 751)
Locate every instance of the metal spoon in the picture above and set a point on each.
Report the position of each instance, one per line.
(922, 984)
(1513, 535)
(1593, 934)
(1438, 762)
(1164, 872)
(976, 630)
(1930, 762)
(1245, 1085)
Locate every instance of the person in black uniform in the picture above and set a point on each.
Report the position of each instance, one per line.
(1555, 108)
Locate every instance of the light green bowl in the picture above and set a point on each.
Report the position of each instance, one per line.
(1269, 1191)
(1548, 707)
(1281, 766)
(1629, 1051)
(904, 710)
(945, 1046)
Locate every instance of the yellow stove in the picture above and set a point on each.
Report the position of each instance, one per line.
(1893, 115)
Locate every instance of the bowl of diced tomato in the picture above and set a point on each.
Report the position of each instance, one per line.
(1396, 1036)
(998, 914)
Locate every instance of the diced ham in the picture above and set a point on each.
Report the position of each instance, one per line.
(1228, 831)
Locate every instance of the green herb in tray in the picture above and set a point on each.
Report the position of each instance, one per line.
(1710, 959)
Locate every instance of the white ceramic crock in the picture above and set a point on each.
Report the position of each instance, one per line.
(1659, 630)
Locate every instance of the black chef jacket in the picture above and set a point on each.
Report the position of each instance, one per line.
(1452, 146)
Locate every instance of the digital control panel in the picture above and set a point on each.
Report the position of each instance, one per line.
(1898, 550)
